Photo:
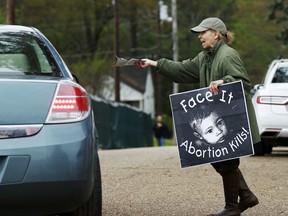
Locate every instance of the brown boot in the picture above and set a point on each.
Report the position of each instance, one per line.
(231, 190)
(247, 198)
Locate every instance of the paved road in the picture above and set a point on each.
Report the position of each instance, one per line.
(150, 182)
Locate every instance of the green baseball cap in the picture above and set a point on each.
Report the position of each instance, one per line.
(211, 23)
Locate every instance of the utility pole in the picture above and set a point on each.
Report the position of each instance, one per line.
(158, 77)
(10, 8)
(162, 17)
(175, 45)
(175, 38)
(116, 50)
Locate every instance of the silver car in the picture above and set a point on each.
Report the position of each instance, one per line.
(271, 105)
(49, 163)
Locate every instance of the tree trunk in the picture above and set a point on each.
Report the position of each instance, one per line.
(10, 7)
(133, 31)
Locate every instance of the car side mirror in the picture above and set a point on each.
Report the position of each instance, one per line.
(256, 87)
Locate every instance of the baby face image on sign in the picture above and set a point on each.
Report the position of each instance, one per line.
(211, 128)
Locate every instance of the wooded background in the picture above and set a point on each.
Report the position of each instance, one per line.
(83, 33)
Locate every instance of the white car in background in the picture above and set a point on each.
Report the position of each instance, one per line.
(270, 102)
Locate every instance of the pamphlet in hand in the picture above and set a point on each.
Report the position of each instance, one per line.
(120, 62)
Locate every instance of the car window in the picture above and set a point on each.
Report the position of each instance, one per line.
(26, 54)
(14, 62)
(281, 75)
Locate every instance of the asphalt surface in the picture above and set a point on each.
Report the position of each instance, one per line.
(150, 182)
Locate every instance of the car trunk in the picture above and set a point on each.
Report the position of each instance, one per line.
(280, 90)
(25, 102)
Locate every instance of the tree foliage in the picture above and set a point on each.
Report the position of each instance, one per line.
(83, 32)
(279, 13)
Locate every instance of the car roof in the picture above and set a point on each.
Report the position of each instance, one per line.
(279, 61)
(276, 62)
(16, 28)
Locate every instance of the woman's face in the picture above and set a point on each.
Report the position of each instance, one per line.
(213, 129)
(208, 38)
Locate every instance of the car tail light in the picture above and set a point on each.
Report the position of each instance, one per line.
(71, 103)
(275, 100)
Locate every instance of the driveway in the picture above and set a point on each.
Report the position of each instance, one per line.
(149, 181)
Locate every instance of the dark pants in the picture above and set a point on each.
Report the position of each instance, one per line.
(234, 186)
(226, 167)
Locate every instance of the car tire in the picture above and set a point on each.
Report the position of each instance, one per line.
(268, 148)
(93, 206)
(259, 148)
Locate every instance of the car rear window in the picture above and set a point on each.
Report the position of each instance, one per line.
(25, 54)
(281, 75)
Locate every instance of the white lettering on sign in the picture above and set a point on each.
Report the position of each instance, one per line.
(239, 139)
(214, 151)
(210, 152)
(199, 98)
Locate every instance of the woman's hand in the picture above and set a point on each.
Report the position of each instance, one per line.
(143, 63)
(214, 86)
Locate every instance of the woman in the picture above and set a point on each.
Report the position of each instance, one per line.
(217, 64)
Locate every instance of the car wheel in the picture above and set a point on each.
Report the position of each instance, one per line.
(268, 148)
(259, 148)
(93, 207)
